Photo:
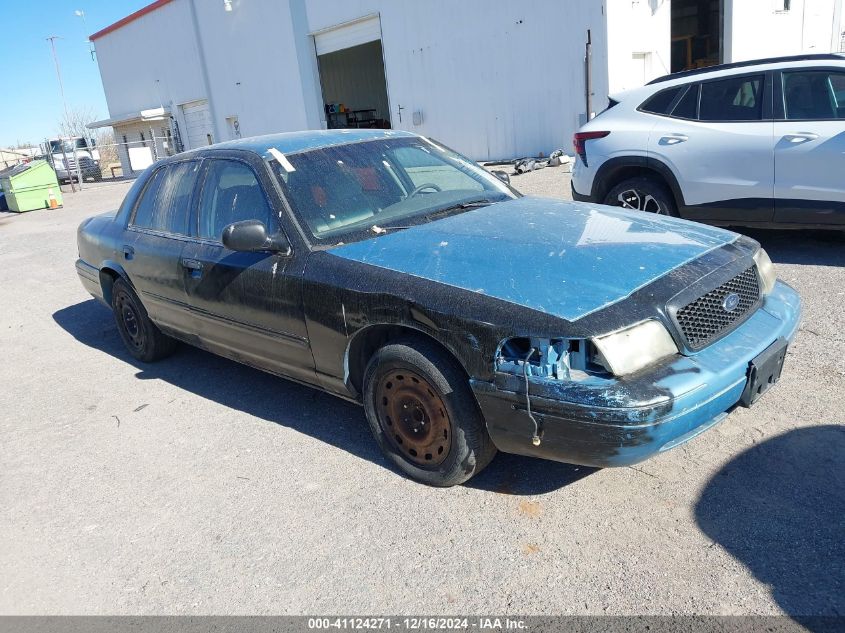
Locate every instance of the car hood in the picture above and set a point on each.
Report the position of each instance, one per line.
(567, 259)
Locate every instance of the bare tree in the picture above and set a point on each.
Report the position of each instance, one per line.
(75, 122)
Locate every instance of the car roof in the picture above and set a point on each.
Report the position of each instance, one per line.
(293, 142)
(793, 61)
(728, 70)
(750, 63)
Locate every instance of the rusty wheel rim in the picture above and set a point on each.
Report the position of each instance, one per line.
(413, 418)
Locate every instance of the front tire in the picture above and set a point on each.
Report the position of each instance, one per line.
(642, 194)
(141, 336)
(423, 415)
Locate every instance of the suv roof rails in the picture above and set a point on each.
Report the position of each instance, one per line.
(751, 62)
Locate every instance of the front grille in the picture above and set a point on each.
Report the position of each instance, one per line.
(707, 318)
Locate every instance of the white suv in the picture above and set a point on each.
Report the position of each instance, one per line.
(757, 143)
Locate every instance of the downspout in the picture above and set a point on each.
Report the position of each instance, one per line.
(588, 74)
(204, 70)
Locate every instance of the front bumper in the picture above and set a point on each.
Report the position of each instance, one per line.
(85, 172)
(620, 422)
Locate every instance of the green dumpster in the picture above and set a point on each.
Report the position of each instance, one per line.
(31, 186)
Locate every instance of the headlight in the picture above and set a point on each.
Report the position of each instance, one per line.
(766, 270)
(625, 351)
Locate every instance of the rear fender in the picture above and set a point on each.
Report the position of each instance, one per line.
(109, 272)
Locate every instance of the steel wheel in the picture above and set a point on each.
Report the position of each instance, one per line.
(131, 321)
(414, 418)
(140, 335)
(634, 199)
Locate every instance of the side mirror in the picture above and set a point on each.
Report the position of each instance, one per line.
(501, 175)
(251, 236)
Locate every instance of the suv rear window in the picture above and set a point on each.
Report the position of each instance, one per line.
(733, 99)
(659, 103)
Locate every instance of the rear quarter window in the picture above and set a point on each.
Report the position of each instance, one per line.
(687, 107)
(660, 102)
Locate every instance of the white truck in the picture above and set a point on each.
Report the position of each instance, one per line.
(65, 152)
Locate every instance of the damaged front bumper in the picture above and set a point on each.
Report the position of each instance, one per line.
(618, 422)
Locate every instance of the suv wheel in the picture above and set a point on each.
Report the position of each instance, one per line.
(642, 194)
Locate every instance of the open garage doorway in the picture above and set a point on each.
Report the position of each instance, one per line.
(352, 78)
(697, 33)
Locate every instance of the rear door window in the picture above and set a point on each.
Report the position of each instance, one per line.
(165, 203)
(814, 95)
(231, 193)
(732, 99)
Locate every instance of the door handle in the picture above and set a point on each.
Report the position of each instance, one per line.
(128, 251)
(673, 139)
(800, 137)
(192, 264)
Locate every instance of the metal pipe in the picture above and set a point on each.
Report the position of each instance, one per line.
(588, 74)
(67, 166)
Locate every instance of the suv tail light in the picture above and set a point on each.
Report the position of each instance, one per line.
(580, 145)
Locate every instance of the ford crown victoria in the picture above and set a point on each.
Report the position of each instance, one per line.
(386, 269)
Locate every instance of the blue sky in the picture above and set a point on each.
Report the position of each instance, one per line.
(30, 104)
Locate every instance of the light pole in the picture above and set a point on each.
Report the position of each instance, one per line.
(80, 13)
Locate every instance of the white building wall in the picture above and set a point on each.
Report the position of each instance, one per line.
(492, 80)
(151, 61)
(261, 66)
(638, 42)
(761, 28)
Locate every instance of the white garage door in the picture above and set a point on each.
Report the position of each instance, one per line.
(346, 35)
(197, 124)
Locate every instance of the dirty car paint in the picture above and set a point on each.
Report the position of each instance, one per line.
(525, 268)
(564, 258)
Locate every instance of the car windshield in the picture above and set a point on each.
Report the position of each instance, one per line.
(350, 192)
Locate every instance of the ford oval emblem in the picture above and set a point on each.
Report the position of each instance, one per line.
(731, 302)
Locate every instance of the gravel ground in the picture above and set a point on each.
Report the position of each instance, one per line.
(197, 485)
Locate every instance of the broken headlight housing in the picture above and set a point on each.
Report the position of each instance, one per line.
(618, 353)
(630, 349)
(766, 270)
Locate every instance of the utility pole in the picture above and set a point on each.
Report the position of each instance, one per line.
(52, 40)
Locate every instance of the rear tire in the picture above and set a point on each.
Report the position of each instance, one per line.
(141, 336)
(642, 194)
(423, 414)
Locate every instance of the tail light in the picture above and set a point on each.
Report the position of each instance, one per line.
(580, 145)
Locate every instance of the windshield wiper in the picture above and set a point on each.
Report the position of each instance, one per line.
(460, 206)
(463, 206)
(378, 230)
